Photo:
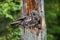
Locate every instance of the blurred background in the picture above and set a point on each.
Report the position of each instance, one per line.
(10, 11)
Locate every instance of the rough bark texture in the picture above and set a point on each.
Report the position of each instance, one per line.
(28, 35)
(32, 36)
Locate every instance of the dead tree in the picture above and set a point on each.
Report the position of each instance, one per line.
(32, 20)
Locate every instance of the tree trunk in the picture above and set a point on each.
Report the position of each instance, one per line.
(28, 35)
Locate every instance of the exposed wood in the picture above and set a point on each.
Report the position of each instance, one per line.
(31, 5)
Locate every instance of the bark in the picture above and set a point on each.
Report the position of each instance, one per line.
(28, 35)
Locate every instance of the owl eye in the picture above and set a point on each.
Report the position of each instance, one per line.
(33, 14)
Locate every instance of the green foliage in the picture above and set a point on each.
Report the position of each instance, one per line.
(50, 37)
(9, 11)
(52, 11)
(9, 5)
